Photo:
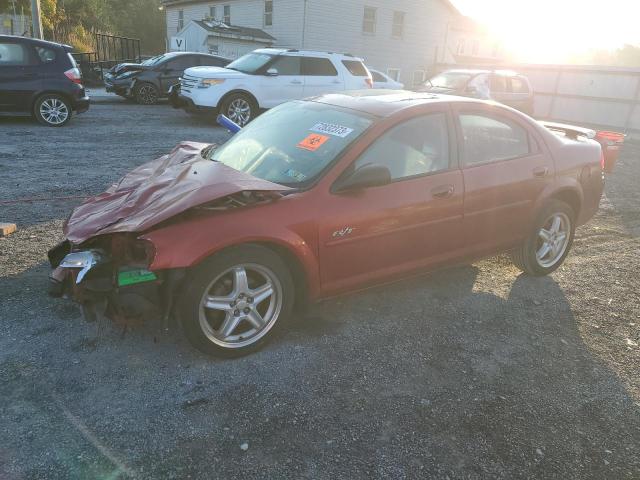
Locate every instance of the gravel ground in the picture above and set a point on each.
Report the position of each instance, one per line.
(474, 372)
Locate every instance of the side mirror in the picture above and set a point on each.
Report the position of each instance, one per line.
(364, 177)
(272, 72)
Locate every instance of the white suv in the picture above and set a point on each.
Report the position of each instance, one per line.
(268, 77)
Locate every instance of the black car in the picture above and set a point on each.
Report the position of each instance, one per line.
(40, 78)
(150, 80)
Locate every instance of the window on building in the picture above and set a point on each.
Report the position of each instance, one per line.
(489, 139)
(416, 147)
(318, 67)
(394, 74)
(268, 13)
(475, 48)
(227, 14)
(369, 20)
(180, 19)
(397, 28)
(418, 77)
(460, 49)
(212, 12)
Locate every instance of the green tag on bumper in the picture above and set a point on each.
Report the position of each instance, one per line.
(133, 277)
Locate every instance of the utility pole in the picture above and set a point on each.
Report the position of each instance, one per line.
(35, 17)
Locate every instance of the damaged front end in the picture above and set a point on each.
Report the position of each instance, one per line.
(109, 276)
(104, 265)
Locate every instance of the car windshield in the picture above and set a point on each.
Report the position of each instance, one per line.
(293, 143)
(250, 63)
(450, 80)
(153, 60)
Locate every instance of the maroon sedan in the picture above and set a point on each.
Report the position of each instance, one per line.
(320, 197)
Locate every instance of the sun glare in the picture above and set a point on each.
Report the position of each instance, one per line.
(553, 30)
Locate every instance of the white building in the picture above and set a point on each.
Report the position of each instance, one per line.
(404, 38)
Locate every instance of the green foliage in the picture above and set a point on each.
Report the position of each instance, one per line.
(73, 21)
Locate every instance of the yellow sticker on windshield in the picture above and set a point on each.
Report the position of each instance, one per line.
(313, 142)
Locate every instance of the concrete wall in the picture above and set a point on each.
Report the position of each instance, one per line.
(584, 95)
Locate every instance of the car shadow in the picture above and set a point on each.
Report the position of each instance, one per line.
(458, 374)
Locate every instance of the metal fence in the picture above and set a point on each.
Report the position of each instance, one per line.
(109, 51)
(595, 96)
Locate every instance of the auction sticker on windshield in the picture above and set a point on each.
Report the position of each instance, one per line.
(313, 142)
(332, 129)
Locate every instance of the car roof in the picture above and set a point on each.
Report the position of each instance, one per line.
(384, 103)
(306, 53)
(35, 41)
(474, 71)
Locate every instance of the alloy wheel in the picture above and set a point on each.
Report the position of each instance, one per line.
(147, 94)
(241, 305)
(553, 239)
(54, 111)
(239, 111)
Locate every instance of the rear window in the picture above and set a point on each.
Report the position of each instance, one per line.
(318, 67)
(356, 68)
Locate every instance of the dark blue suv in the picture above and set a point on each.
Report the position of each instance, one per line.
(40, 78)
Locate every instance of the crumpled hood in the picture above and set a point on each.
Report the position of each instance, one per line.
(213, 72)
(159, 190)
(126, 67)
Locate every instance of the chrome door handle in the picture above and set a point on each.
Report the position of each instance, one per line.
(443, 191)
(540, 172)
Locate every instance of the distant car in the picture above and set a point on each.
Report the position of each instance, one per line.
(503, 86)
(41, 79)
(382, 80)
(150, 80)
(266, 78)
(320, 197)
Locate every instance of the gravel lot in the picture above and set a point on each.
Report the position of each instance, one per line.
(475, 372)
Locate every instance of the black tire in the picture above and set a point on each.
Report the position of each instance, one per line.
(203, 327)
(146, 93)
(233, 106)
(525, 257)
(52, 110)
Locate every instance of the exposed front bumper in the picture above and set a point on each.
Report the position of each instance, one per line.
(124, 294)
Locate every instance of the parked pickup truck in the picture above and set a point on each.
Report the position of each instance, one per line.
(320, 197)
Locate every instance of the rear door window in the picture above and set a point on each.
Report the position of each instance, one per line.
(491, 139)
(318, 67)
(14, 54)
(498, 84)
(356, 68)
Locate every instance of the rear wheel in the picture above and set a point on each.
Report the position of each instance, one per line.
(236, 300)
(549, 242)
(239, 108)
(146, 94)
(52, 110)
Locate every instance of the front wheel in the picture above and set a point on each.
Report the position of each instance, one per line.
(146, 94)
(236, 300)
(549, 242)
(52, 110)
(239, 108)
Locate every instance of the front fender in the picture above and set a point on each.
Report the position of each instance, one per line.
(187, 244)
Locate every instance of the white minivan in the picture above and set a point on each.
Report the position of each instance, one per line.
(266, 78)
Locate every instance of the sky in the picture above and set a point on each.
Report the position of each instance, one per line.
(549, 30)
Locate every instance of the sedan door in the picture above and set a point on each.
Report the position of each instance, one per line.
(377, 233)
(286, 83)
(505, 171)
(20, 76)
(320, 77)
